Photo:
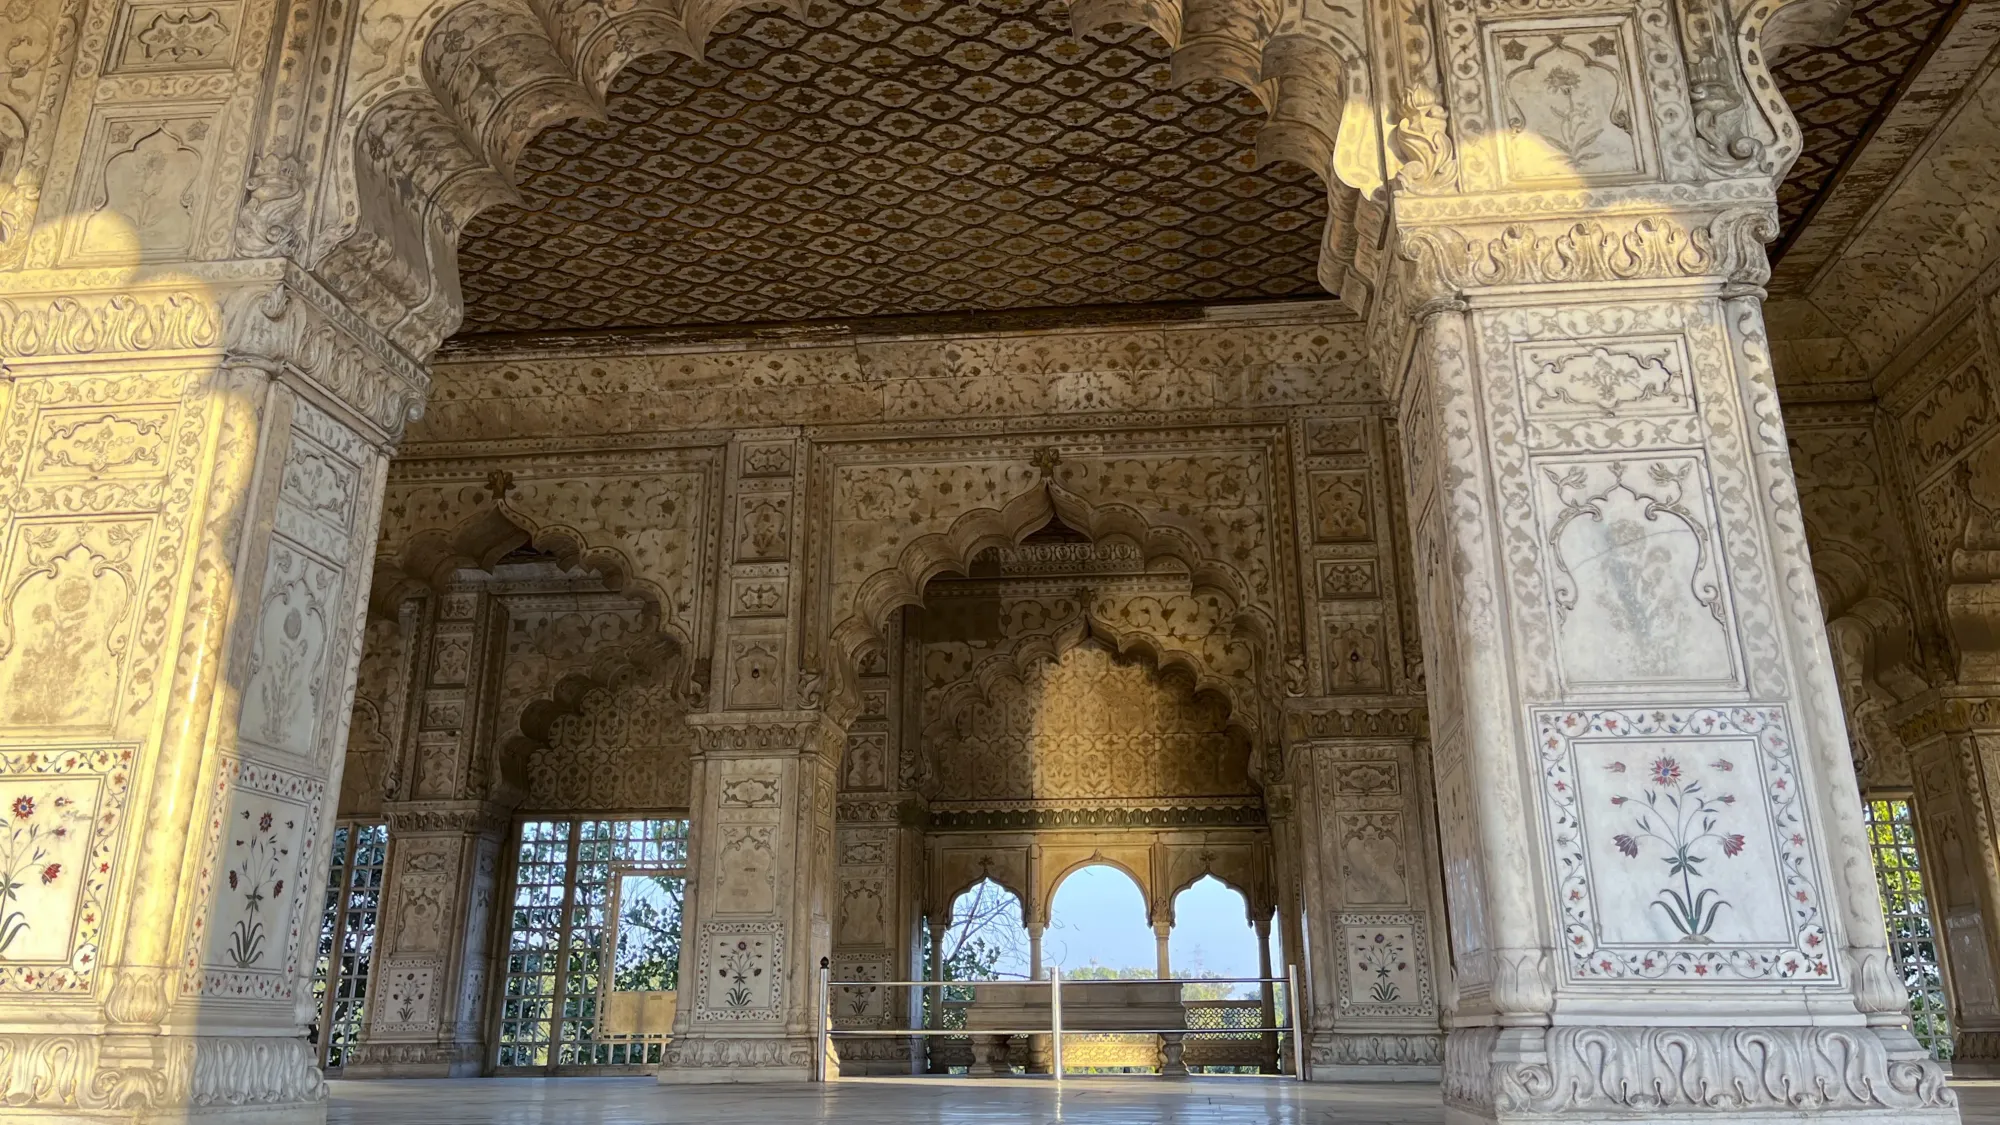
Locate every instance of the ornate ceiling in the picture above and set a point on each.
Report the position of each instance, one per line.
(894, 156)
(878, 157)
(1839, 90)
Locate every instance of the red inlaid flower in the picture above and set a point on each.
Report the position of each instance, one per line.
(24, 807)
(51, 873)
(1732, 844)
(1666, 771)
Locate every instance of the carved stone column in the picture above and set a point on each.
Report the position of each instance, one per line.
(1660, 893)
(195, 432)
(761, 862)
(1373, 1013)
(1954, 753)
(448, 818)
(761, 854)
(426, 1018)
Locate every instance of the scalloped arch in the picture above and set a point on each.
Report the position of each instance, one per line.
(609, 670)
(1175, 891)
(1053, 883)
(1018, 661)
(951, 895)
(488, 532)
(951, 552)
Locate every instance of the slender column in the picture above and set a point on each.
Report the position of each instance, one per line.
(1267, 995)
(1161, 931)
(759, 911)
(1949, 740)
(938, 930)
(1035, 971)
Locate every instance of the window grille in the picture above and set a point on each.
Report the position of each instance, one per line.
(575, 884)
(347, 937)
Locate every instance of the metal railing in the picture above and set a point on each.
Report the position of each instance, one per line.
(825, 1031)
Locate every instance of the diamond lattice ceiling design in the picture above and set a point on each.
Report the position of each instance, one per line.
(881, 157)
(1839, 89)
(894, 156)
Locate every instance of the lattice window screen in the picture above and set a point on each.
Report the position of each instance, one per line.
(347, 937)
(559, 931)
(1913, 942)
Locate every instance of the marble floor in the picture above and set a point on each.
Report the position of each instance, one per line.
(915, 1101)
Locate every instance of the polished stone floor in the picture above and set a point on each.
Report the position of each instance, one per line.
(915, 1101)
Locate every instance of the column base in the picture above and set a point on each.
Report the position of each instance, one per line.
(92, 1079)
(413, 1060)
(1976, 1054)
(878, 1057)
(1692, 1076)
(694, 1059)
(1375, 1057)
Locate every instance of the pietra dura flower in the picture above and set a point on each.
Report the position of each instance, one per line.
(24, 855)
(263, 858)
(1682, 818)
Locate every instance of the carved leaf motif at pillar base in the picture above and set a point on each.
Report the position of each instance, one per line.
(709, 1052)
(1377, 1050)
(436, 1056)
(1621, 1070)
(1976, 1046)
(69, 1072)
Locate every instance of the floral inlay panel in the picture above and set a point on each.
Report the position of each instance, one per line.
(742, 966)
(1681, 845)
(263, 836)
(60, 812)
(1385, 966)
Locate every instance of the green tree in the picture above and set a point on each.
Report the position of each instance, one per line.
(648, 957)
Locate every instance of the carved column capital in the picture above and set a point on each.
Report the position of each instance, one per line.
(763, 734)
(1945, 713)
(415, 818)
(263, 314)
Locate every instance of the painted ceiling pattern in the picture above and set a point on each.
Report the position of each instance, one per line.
(894, 156)
(1839, 89)
(880, 157)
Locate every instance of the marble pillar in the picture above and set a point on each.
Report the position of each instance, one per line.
(195, 431)
(1660, 894)
(762, 853)
(193, 466)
